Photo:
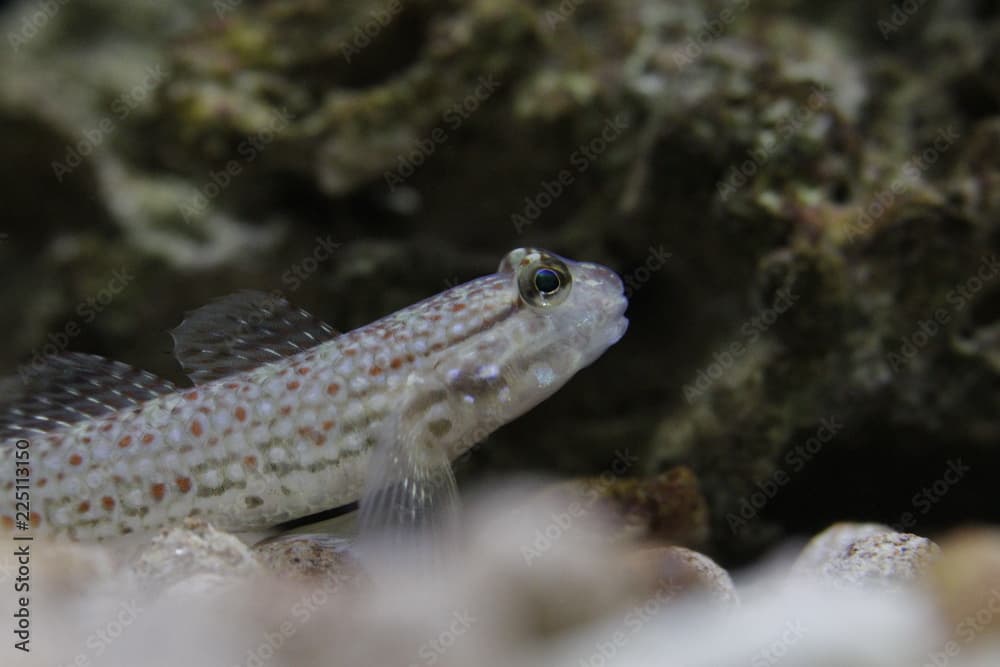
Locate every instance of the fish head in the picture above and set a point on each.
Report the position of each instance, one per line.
(569, 311)
(559, 316)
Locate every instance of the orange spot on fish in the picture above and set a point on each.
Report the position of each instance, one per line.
(107, 427)
(108, 503)
(8, 522)
(125, 442)
(250, 461)
(435, 317)
(83, 507)
(285, 410)
(395, 363)
(184, 484)
(159, 490)
(458, 307)
(191, 396)
(317, 437)
(196, 429)
(42, 482)
(293, 385)
(332, 388)
(147, 438)
(328, 424)
(35, 518)
(374, 370)
(302, 370)
(241, 414)
(231, 385)
(75, 460)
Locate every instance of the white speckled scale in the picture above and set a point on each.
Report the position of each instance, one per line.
(270, 438)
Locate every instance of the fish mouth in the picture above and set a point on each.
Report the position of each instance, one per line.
(615, 324)
(618, 321)
(609, 315)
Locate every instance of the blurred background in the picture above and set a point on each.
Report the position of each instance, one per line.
(800, 197)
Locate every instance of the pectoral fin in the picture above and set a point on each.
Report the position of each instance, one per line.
(410, 499)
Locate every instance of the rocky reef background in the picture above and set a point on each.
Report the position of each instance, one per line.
(798, 195)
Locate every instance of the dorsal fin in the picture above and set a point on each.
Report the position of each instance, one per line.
(242, 331)
(69, 388)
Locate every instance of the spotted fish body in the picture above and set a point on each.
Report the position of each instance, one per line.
(296, 435)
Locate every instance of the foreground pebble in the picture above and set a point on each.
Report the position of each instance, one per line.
(683, 572)
(194, 555)
(312, 558)
(203, 598)
(866, 556)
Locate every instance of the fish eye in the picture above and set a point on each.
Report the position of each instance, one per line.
(543, 280)
(547, 281)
